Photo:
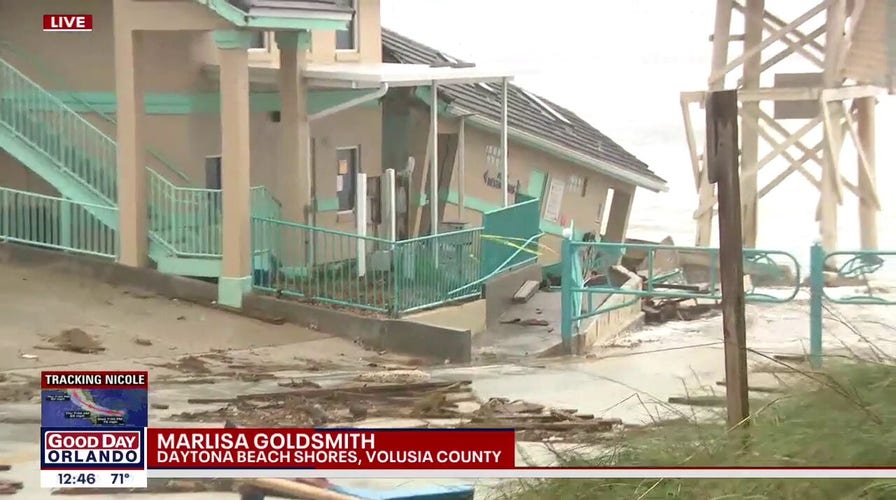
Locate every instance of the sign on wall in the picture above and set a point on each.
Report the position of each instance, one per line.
(497, 181)
(554, 201)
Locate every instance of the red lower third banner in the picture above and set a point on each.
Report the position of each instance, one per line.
(330, 449)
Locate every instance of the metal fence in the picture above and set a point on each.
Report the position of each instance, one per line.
(583, 296)
(57, 223)
(345, 269)
(510, 236)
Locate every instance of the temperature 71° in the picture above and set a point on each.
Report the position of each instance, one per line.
(120, 477)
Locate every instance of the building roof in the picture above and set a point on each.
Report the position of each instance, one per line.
(285, 7)
(527, 112)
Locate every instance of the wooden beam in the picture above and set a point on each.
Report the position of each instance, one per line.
(774, 37)
(692, 142)
(809, 40)
(834, 40)
(865, 111)
(850, 92)
(749, 140)
(797, 46)
(795, 166)
(781, 94)
(722, 163)
(866, 170)
(789, 141)
(854, 17)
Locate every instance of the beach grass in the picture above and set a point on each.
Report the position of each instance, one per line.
(844, 416)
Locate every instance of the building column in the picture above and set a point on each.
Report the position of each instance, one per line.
(131, 155)
(294, 175)
(236, 279)
(620, 209)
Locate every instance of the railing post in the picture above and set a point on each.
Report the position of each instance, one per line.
(816, 296)
(65, 224)
(567, 282)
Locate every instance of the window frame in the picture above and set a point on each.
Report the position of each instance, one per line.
(580, 186)
(354, 29)
(265, 43)
(354, 170)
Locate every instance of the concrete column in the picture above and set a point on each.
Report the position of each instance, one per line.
(294, 175)
(131, 155)
(620, 208)
(236, 279)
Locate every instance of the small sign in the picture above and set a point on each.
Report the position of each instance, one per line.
(498, 181)
(343, 167)
(553, 203)
(338, 183)
(68, 22)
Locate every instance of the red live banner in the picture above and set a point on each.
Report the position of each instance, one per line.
(330, 449)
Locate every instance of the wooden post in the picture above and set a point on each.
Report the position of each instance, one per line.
(722, 169)
(867, 209)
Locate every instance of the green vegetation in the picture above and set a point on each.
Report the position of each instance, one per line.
(845, 417)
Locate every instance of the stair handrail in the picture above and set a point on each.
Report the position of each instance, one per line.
(59, 81)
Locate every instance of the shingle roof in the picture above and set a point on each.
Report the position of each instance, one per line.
(290, 5)
(526, 111)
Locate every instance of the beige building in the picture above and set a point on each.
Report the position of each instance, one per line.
(270, 108)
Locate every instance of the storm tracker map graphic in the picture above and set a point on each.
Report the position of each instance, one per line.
(94, 408)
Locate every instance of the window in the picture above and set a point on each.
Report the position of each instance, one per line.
(259, 40)
(493, 155)
(347, 39)
(577, 184)
(346, 175)
(545, 107)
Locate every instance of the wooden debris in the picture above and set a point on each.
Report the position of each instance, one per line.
(294, 489)
(526, 291)
(5, 468)
(8, 487)
(702, 401)
(752, 388)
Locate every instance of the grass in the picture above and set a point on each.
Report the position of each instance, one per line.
(847, 417)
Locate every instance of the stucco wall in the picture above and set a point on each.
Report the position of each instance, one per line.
(585, 210)
(172, 63)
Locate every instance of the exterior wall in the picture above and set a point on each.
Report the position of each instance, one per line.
(172, 63)
(323, 43)
(525, 165)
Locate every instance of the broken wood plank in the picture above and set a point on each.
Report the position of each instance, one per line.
(752, 388)
(526, 291)
(357, 390)
(702, 401)
(302, 490)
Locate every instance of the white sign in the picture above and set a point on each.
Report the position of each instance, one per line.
(554, 201)
(338, 183)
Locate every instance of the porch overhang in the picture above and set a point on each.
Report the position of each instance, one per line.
(281, 14)
(375, 75)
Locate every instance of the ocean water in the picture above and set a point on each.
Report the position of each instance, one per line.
(621, 66)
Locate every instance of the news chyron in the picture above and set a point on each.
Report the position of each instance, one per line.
(93, 429)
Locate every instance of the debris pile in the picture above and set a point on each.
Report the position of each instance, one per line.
(8, 486)
(312, 405)
(73, 340)
(534, 422)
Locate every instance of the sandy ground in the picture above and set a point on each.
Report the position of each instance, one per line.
(629, 378)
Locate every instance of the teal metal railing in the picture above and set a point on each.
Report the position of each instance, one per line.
(858, 265)
(507, 231)
(365, 272)
(185, 221)
(575, 254)
(433, 270)
(56, 223)
(54, 78)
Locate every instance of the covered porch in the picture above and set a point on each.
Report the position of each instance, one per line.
(287, 254)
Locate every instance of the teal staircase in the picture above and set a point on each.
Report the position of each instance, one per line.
(79, 160)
